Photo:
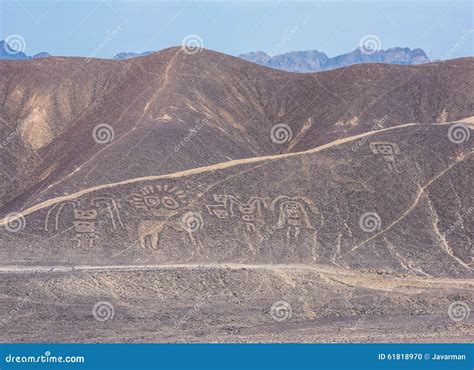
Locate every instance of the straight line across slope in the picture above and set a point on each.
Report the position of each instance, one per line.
(339, 274)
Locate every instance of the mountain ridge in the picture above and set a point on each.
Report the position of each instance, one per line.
(8, 53)
(295, 61)
(316, 61)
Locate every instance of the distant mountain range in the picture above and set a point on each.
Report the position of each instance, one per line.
(315, 61)
(296, 61)
(130, 55)
(7, 52)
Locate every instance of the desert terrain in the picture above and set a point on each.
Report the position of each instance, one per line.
(198, 197)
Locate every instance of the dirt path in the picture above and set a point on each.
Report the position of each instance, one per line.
(200, 170)
(326, 272)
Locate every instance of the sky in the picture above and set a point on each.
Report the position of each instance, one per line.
(444, 29)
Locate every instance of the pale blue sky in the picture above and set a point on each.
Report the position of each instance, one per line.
(335, 27)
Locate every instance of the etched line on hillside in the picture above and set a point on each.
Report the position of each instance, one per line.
(444, 242)
(199, 170)
(164, 82)
(164, 77)
(421, 192)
